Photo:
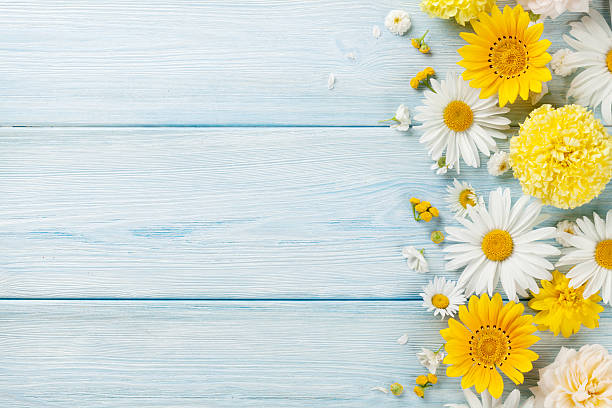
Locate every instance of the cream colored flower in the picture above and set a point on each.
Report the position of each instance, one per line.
(554, 8)
(576, 379)
(398, 22)
(499, 163)
(430, 359)
(565, 227)
(415, 259)
(559, 65)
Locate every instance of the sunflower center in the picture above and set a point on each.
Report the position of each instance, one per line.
(603, 253)
(458, 116)
(508, 57)
(465, 198)
(440, 301)
(609, 61)
(489, 346)
(497, 245)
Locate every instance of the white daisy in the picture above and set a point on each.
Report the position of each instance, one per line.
(558, 65)
(499, 163)
(398, 22)
(430, 359)
(512, 401)
(499, 243)
(442, 297)
(592, 40)
(457, 121)
(592, 255)
(415, 259)
(462, 196)
(565, 227)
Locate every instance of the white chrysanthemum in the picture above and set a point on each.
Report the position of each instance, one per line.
(402, 119)
(457, 121)
(565, 227)
(554, 8)
(430, 359)
(592, 255)
(415, 259)
(442, 297)
(576, 379)
(558, 65)
(512, 401)
(462, 196)
(398, 22)
(592, 40)
(499, 243)
(499, 163)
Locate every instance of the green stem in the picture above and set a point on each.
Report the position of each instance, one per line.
(440, 349)
(423, 37)
(414, 213)
(388, 120)
(428, 85)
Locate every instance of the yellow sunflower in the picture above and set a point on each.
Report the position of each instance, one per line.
(492, 336)
(563, 308)
(505, 56)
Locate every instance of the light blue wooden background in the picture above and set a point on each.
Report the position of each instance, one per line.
(190, 218)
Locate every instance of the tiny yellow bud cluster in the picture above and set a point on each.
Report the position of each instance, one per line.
(397, 389)
(420, 44)
(423, 77)
(437, 237)
(424, 381)
(422, 210)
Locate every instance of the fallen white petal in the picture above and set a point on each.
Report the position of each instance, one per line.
(331, 81)
(403, 339)
(351, 56)
(376, 31)
(381, 389)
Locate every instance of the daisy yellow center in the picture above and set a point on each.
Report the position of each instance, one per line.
(603, 253)
(440, 301)
(508, 57)
(465, 198)
(609, 61)
(396, 20)
(458, 116)
(489, 346)
(497, 245)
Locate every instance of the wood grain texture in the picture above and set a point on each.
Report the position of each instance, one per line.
(221, 213)
(226, 354)
(220, 62)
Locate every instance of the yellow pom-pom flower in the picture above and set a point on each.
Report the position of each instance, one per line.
(419, 391)
(397, 389)
(562, 309)
(505, 56)
(562, 156)
(432, 378)
(421, 380)
(493, 336)
(461, 10)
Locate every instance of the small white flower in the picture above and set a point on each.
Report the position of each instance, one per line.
(442, 297)
(331, 81)
(536, 97)
(559, 65)
(554, 8)
(403, 340)
(499, 163)
(565, 227)
(415, 259)
(402, 117)
(376, 32)
(512, 401)
(440, 166)
(398, 22)
(381, 389)
(430, 359)
(462, 196)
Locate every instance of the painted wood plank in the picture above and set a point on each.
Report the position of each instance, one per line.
(220, 213)
(219, 62)
(226, 354)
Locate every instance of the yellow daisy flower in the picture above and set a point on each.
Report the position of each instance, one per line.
(563, 309)
(505, 56)
(492, 336)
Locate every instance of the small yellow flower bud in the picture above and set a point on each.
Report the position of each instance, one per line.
(414, 83)
(421, 207)
(426, 203)
(432, 378)
(419, 391)
(421, 380)
(421, 76)
(437, 237)
(426, 216)
(424, 48)
(430, 71)
(414, 200)
(397, 389)
(434, 211)
(416, 43)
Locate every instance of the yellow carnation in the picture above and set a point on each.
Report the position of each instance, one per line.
(562, 156)
(461, 10)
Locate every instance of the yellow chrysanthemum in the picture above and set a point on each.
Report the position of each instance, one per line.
(505, 56)
(563, 309)
(562, 156)
(494, 336)
(461, 10)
